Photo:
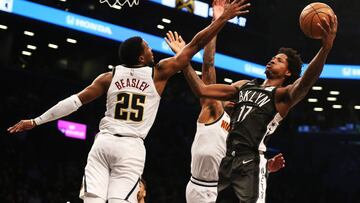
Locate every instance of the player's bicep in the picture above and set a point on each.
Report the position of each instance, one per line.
(220, 91)
(97, 88)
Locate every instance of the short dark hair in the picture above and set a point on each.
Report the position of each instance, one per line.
(295, 64)
(130, 50)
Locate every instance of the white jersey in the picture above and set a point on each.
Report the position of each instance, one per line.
(208, 148)
(132, 102)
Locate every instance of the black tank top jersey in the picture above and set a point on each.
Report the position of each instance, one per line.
(253, 114)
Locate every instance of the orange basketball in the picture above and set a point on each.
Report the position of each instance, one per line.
(310, 16)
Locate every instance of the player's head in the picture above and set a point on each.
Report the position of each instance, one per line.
(142, 191)
(285, 65)
(135, 51)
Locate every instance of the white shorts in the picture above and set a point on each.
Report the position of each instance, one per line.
(113, 168)
(201, 192)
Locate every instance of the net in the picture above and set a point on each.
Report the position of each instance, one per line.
(118, 4)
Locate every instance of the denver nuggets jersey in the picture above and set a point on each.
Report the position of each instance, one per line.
(254, 118)
(132, 102)
(209, 148)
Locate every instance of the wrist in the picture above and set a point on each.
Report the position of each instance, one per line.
(33, 123)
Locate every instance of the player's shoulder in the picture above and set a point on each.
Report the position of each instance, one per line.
(238, 84)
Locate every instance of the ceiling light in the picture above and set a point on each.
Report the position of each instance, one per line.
(110, 66)
(165, 20)
(54, 46)
(161, 27)
(32, 47)
(4, 27)
(334, 92)
(26, 53)
(316, 88)
(357, 107)
(228, 80)
(63, 0)
(198, 72)
(73, 41)
(28, 33)
(312, 100)
(336, 106)
(331, 98)
(318, 109)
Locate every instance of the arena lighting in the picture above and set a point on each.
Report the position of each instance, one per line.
(312, 100)
(334, 92)
(228, 80)
(318, 109)
(117, 7)
(26, 53)
(110, 67)
(118, 33)
(32, 47)
(28, 33)
(62, 0)
(316, 88)
(331, 98)
(357, 107)
(72, 41)
(165, 20)
(161, 27)
(198, 72)
(336, 106)
(4, 27)
(53, 46)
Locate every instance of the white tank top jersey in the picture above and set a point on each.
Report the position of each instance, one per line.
(208, 148)
(132, 102)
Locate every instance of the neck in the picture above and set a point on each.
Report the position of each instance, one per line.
(273, 82)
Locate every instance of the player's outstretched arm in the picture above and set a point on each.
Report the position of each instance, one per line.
(276, 163)
(301, 87)
(68, 105)
(167, 67)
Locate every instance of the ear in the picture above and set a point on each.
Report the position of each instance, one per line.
(141, 59)
(288, 74)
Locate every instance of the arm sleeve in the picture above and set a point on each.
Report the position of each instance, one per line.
(61, 109)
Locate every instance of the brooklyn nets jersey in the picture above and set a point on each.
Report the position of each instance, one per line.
(132, 102)
(254, 118)
(209, 148)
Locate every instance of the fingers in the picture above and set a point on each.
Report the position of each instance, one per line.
(170, 36)
(167, 41)
(15, 128)
(176, 36)
(180, 39)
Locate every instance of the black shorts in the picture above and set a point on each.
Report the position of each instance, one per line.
(242, 179)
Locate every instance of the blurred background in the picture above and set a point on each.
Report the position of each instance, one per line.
(51, 49)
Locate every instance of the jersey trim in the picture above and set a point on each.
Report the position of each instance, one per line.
(132, 190)
(207, 124)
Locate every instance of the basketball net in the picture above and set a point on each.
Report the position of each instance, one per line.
(120, 3)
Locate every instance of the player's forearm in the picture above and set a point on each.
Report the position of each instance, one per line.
(312, 73)
(61, 109)
(203, 37)
(208, 69)
(195, 83)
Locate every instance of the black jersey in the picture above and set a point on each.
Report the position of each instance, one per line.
(254, 117)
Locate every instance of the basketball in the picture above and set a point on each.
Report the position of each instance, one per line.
(311, 15)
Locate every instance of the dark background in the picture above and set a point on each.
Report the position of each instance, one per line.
(322, 163)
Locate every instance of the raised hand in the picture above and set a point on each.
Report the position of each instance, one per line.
(218, 8)
(329, 30)
(175, 41)
(21, 126)
(276, 163)
(235, 8)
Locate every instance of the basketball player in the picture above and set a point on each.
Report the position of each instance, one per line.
(213, 124)
(258, 110)
(116, 159)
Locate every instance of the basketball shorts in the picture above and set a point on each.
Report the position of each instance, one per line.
(113, 168)
(242, 179)
(198, 191)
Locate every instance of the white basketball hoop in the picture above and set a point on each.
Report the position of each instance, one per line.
(120, 3)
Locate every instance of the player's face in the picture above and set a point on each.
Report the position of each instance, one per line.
(148, 54)
(228, 106)
(277, 67)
